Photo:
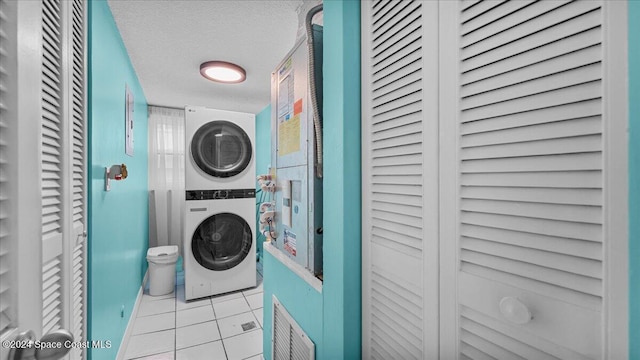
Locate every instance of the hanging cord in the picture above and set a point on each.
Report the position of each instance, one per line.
(317, 116)
(271, 234)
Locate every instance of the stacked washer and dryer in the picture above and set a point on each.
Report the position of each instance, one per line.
(219, 241)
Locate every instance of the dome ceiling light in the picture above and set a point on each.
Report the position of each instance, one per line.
(222, 71)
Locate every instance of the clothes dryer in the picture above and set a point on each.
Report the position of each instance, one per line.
(220, 149)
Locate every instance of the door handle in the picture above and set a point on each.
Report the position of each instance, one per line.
(24, 346)
(53, 346)
(61, 338)
(515, 311)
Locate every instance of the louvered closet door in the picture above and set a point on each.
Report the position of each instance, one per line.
(494, 179)
(20, 167)
(42, 148)
(63, 169)
(530, 179)
(399, 211)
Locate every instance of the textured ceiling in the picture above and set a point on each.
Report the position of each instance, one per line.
(168, 40)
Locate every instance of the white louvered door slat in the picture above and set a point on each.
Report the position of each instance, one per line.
(539, 241)
(52, 164)
(51, 296)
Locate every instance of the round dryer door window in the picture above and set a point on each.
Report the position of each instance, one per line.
(221, 242)
(221, 149)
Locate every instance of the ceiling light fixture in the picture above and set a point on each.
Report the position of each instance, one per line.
(222, 71)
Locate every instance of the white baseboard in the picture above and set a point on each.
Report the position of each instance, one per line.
(132, 319)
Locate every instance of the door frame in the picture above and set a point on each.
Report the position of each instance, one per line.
(449, 184)
(24, 161)
(24, 158)
(616, 180)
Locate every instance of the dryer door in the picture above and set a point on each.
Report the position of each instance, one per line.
(221, 241)
(221, 149)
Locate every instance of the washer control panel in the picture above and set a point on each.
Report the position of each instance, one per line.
(220, 194)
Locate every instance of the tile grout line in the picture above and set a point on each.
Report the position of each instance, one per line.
(224, 348)
(160, 313)
(152, 332)
(204, 343)
(240, 313)
(242, 333)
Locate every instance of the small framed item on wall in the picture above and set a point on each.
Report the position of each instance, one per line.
(128, 117)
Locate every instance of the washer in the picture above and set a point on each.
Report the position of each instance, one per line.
(219, 242)
(221, 149)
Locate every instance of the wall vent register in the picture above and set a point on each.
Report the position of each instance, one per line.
(289, 341)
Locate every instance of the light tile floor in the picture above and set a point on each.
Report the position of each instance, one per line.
(225, 327)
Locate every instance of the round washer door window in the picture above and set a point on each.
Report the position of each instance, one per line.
(221, 148)
(221, 241)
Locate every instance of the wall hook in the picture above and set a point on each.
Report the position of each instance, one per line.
(115, 172)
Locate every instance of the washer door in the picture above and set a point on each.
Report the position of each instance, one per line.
(221, 148)
(221, 241)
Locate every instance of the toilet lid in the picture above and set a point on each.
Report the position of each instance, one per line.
(162, 251)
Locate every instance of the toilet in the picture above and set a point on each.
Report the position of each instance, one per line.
(162, 269)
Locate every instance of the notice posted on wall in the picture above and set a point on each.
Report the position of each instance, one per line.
(289, 135)
(290, 242)
(285, 96)
(288, 117)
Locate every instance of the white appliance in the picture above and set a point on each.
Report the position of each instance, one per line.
(219, 242)
(220, 147)
(219, 239)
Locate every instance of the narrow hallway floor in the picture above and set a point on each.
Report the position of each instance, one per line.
(225, 327)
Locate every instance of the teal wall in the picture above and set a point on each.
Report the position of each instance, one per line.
(303, 302)
(118, 219)
(263, 140)
(263, 159)
(634, 179)
(342, 204)
(332, 319)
